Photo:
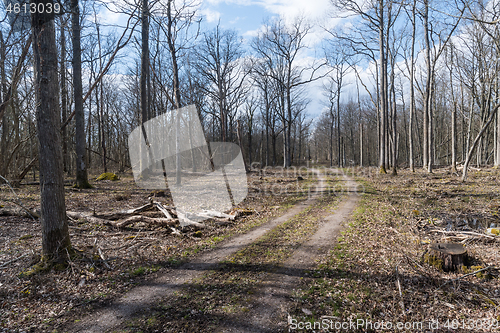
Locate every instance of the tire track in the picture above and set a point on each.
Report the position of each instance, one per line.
(147, 295)
(269, 311)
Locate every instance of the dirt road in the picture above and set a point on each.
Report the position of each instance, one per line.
(268, 312)
(147, 295)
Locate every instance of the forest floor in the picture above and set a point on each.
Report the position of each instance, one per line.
(285, 276)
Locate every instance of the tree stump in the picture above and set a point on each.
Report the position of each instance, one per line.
(449, 256)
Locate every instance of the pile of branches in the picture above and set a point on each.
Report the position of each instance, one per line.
(171, 217)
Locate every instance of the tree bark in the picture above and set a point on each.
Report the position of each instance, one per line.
(412, 88)
(476, 141)
(383, 91)
(81, 158)
(64, 95)
(55, 235)
(177, 91)
(427, 90)
(5, 128)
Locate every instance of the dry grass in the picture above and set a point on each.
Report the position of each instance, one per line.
(40, 302)
(391, 230)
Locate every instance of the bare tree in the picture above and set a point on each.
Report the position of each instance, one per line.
(81, 157)
(219, 61)
(55, 235)
(337, 58)
(279, 45)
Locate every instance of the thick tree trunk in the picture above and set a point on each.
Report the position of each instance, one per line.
(55, 235)
(81, 159)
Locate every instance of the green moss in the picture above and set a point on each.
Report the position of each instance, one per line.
(108, 176)
(84, 185)
(42, 266)
(433, 261)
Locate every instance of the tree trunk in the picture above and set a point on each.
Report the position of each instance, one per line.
(81, 159)
(55, 235)
(144, 61)
(239, 135)
(412, 88)
(177, 92)
(454, 138)
(250, 142)
(332, 126)
(476, 141)
(498, 141)
(338, 126)
(100, 92)
(5, 127)
(393, 115)
(426, 96)
(361, 144)
(64, 95)
(383, 91)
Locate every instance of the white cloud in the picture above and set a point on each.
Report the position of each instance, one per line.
(251, 33)
(210, 15)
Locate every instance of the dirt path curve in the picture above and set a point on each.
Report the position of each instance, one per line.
(170, 280)
(269, 311)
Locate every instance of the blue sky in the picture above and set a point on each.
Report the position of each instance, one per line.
(247, 17)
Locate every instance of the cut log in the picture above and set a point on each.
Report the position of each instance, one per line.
(448, 256)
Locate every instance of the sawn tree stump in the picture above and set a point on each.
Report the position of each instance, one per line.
(450, 256)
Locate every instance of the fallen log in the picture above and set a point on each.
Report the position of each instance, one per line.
(139, 218)
(124, 213)
(87, 217)
(464, 233)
